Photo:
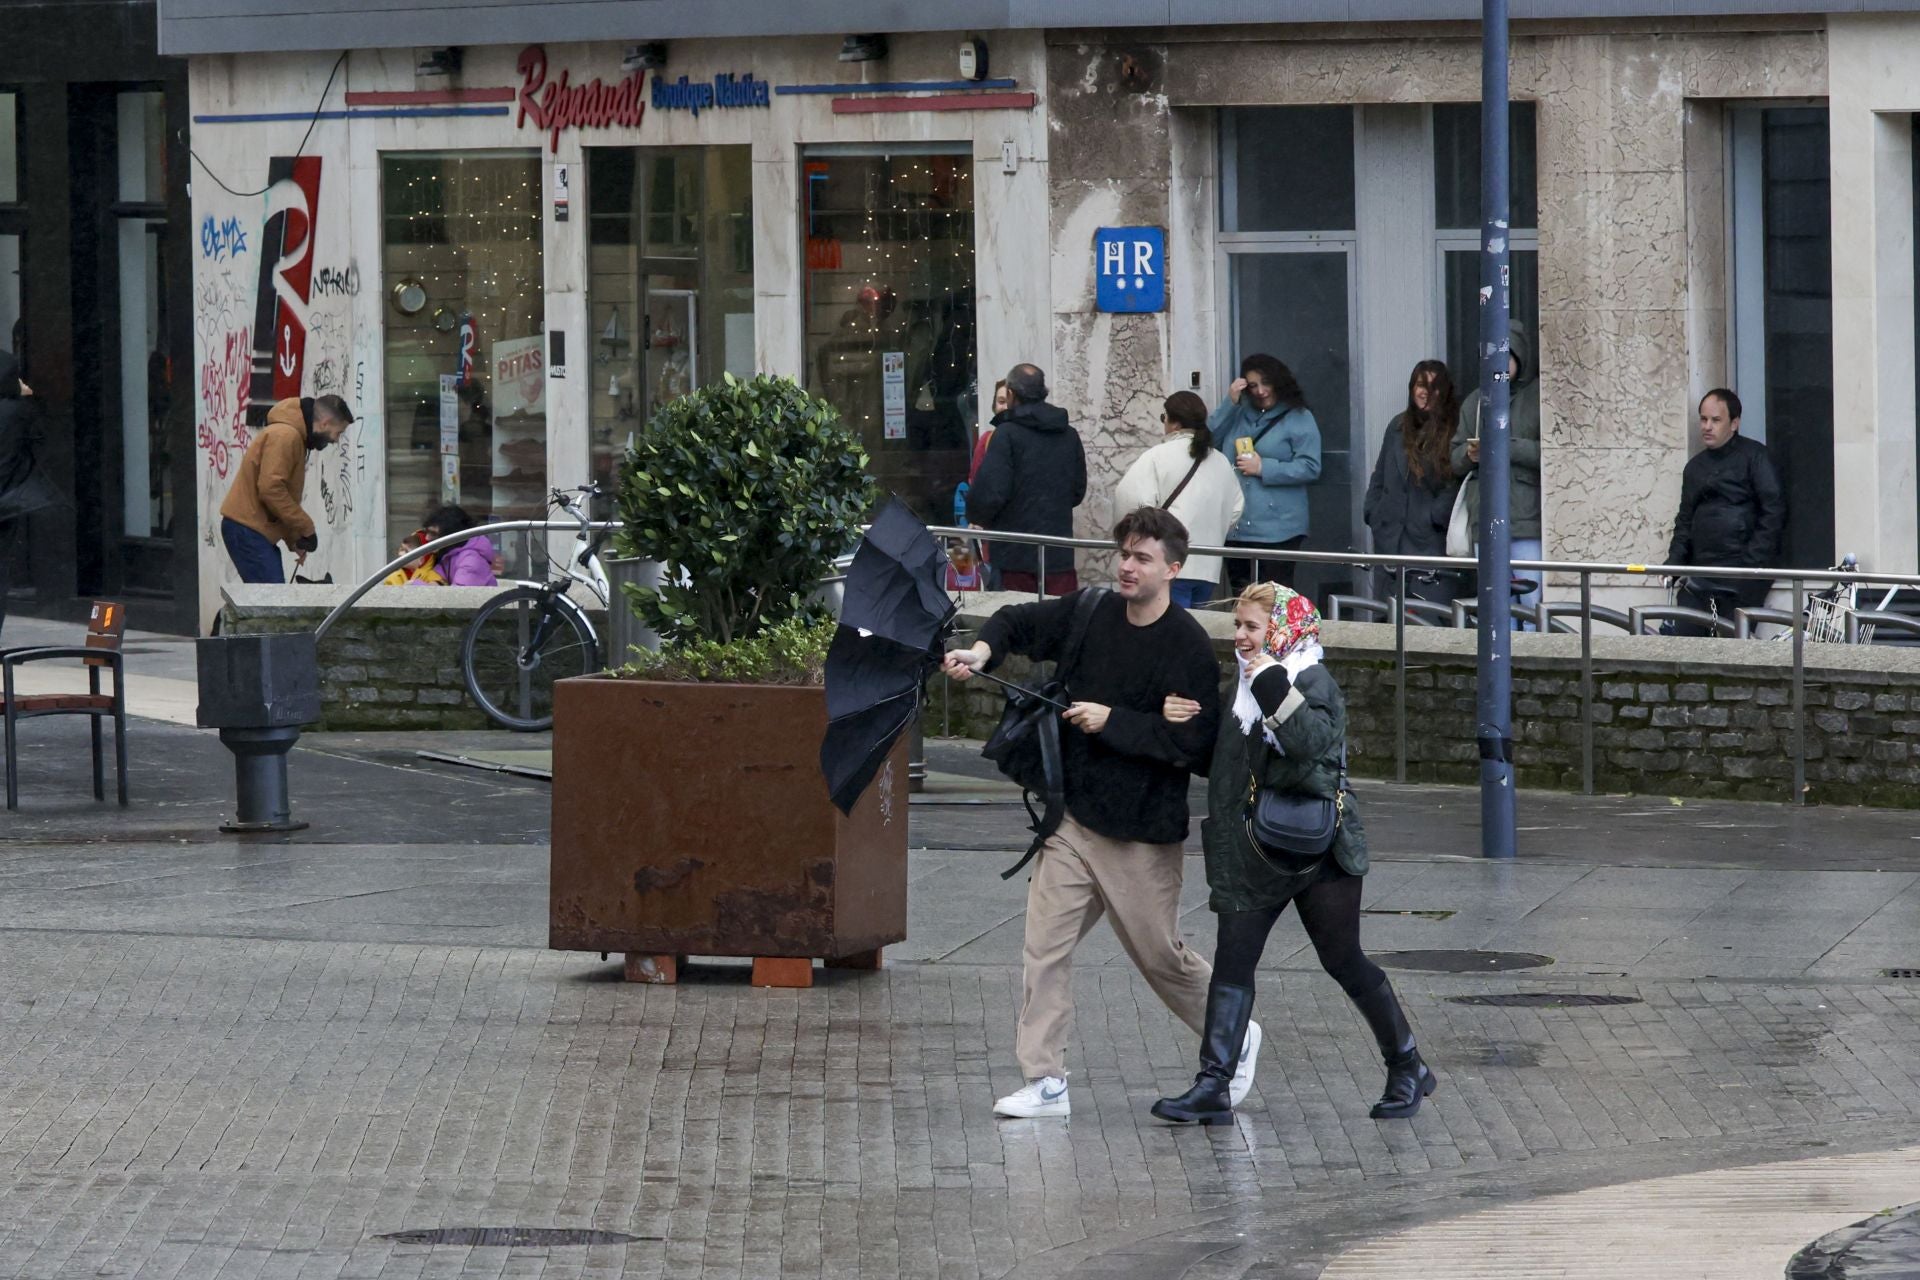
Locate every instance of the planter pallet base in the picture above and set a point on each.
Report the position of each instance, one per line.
(768, 971)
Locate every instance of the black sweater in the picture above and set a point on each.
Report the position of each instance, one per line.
(1129, 781)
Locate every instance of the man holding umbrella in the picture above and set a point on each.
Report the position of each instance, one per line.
(1118, 850)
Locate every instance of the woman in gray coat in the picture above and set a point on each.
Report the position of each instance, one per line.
(1410, 498)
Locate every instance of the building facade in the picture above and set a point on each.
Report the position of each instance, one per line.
(505, 254)
(95, 297)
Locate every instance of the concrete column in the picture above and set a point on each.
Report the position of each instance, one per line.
(1872, 92)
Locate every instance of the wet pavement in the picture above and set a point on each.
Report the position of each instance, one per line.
(225, 1056)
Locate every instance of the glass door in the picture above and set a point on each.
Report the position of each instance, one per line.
(1293, 300)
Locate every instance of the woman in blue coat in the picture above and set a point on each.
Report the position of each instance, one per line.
(1268, 433)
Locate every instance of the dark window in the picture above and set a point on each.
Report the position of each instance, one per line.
(1456, 165)
(1286, 169)
(1799, 326)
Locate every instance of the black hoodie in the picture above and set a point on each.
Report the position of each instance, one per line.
(1034, 475)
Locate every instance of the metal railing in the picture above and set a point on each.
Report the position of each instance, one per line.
(1555, 616)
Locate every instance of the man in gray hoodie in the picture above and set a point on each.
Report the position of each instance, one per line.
(1523, 500)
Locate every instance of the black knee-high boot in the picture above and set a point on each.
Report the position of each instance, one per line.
(1229, 1009)
(1408, 1077)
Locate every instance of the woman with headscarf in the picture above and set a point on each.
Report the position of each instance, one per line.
(1288, 722)
(24, 488)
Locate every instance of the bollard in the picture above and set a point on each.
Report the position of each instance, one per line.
(258, 690)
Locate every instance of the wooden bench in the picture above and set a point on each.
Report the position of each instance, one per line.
(102, 649)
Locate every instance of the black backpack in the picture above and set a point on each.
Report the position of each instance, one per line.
(1025, 745)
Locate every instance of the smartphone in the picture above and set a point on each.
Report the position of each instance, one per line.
(1244, 445)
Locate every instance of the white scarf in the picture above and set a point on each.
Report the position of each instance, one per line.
(1246, 708)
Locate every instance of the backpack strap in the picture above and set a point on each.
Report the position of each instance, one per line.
(1054, 799)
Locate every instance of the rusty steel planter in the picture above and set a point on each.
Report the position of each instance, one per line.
(692, 819)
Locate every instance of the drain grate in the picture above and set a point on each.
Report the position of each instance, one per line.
(1544, 1000)
(1462, 961)
(1908, 974)
(512, 1237)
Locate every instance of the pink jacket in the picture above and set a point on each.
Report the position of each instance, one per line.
(470, 564)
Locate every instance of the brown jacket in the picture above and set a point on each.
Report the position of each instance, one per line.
(273, 473)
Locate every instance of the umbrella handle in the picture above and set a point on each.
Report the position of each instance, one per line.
(1018, 688)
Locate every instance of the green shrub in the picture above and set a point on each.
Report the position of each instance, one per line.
(791, 651)
(750, 488)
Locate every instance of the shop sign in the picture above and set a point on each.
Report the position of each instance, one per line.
(1130, 269)
(724, 90)
(519, 376)
(558, 105)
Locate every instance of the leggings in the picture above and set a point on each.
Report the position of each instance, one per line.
(1330, 910)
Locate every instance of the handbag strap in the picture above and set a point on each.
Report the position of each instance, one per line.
(1185, 480)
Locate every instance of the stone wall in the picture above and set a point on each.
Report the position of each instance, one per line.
(1672, 716)
(393, 662)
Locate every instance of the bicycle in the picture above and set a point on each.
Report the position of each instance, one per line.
(523, 640)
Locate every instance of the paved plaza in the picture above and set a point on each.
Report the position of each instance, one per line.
(228, 1058)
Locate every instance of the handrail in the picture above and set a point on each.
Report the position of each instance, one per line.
(1381, 560)
(447, 540)
(1797, 580)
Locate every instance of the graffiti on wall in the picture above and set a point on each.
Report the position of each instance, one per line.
(222, 238)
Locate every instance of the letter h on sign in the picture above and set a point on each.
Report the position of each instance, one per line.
(1130, 269)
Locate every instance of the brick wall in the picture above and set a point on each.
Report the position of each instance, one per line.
(1671, 716)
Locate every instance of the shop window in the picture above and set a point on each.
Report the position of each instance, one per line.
(12, 219)
(465, 309)
(146, 375)
(1782, 310)
(890, 311)
(1291, 169)
(9, 148)
(671, 288)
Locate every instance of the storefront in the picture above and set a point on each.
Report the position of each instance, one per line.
(507, 269)
(95, 291)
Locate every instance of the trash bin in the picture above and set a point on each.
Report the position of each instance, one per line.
(624, 630)
(258, 690)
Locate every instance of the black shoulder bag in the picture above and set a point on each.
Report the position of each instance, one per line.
(1292, 832)
(1026, 743)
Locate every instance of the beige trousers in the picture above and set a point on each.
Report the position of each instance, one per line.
(1080, 876)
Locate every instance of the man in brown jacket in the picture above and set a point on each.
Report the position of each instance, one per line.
(263, 507)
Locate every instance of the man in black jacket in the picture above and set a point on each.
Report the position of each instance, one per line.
(1732, 514)
(1118, 852)
(1034, 475)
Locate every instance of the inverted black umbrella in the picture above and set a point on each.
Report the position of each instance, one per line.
(895, 618)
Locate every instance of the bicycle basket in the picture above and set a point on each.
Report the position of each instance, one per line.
(1828, 618)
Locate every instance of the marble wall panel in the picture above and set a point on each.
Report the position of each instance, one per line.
(1308, 72)
(1615, 240)
(1784, 64)
(1619, 379)
(1611, 505)
(1112, 380)
(1609, 104)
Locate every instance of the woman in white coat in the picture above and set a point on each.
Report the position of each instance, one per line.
(1189, 477)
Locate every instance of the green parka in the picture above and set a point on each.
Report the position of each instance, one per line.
(1311, 728)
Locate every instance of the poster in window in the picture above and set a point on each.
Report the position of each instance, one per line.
(893, 393)
(519, 376)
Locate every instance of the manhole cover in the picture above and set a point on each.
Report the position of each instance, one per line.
(1544, 1000)
(1463, 961)
(1900, 973)
(512, 1237)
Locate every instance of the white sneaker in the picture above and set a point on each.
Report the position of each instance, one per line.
(1243, 1073)
(1046, 1096)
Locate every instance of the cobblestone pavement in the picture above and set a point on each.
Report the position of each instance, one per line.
(226, 1060)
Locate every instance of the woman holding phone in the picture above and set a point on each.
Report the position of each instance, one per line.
(1286, 731)
(1269, 435)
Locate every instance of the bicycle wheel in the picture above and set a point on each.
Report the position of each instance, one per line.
(517, 645)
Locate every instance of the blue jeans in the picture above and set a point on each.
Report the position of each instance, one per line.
(1528, 549)
(257, 559)
(1190, 593)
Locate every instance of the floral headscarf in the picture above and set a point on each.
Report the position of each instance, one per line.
(1295, 623)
